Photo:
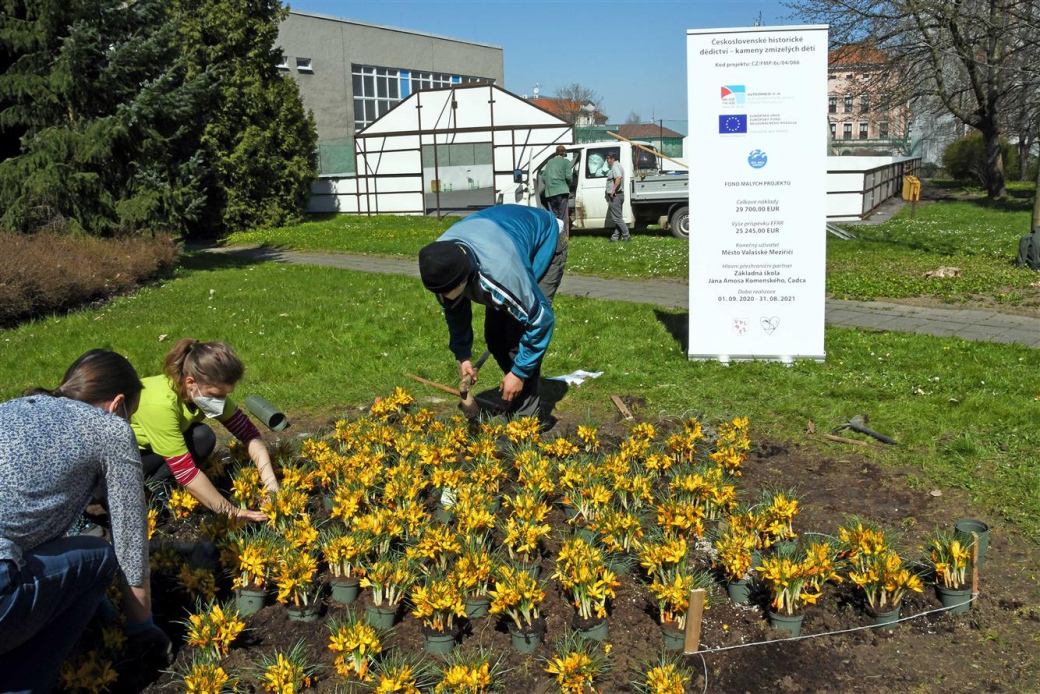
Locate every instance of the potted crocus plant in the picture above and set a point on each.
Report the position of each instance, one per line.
(786, 580)
(343, 553)
(521, 541)
(294, 579)
(253, 554)
(878, 570)
(472, 573)
(950, 559)
(518, 595)
(735, 547)
(778, 509)
(438, 602)
(389, 578)
(671, 588)
(582, 572)
(357, 644)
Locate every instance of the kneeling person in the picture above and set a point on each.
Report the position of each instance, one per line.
(197, 379)
(509, 258)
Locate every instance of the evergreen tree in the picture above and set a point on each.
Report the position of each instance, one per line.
(258, 137)
(107, 112)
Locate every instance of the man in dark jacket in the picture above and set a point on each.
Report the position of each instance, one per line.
(510, 259)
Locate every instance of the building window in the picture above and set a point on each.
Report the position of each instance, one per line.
(864, 104)
(848, 104)
(283, 63)
(863, 131)
(304, 65)
(834, 131)
(423, 81)
(882, 130)
(832, 104)
(846, 131)
(376, 91)
(379, 89)
(850, 76)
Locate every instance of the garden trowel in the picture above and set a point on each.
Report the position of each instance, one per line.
(859, 423)
(468, 403)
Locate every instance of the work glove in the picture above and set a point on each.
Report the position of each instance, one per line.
(149, 644)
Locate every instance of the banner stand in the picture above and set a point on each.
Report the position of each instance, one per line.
(758, 251)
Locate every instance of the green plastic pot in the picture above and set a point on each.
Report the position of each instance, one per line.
(674, 640)
(249, 602)
(739, 591)
(267, 413)
(786, 622)
(599, 631)
(477, 607)
(438, 643)
(345, 590)
(328, 501)
(380, 617)
(525, 641)
(963, 530)
(444, 516)
(756, 559)
(887, 620)
(305, 613)
(958, 600)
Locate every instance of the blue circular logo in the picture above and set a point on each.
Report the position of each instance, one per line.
(757, 159)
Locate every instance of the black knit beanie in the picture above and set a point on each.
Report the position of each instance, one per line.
(443, 265)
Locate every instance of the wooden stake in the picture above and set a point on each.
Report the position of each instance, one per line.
(625, 412)
(974, 565)
(841, 439)
(693, 621)
(434, 384)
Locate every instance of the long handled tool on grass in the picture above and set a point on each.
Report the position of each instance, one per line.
(471, 410)
(859, 423)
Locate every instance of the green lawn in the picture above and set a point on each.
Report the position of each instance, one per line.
(884, 261)
(322, 341)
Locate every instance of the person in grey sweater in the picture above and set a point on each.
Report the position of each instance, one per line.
(56, 448)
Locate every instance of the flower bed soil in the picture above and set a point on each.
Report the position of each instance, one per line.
(992, 648)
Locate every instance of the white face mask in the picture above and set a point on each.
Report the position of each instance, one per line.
(209, 406)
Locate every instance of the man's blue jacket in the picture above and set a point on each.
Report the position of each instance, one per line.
(511, 247)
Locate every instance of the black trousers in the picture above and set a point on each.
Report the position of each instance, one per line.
(502, 333)
(200, 440)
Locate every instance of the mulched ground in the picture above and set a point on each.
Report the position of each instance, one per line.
(994, 648)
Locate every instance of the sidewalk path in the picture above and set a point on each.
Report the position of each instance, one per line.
(968, 324)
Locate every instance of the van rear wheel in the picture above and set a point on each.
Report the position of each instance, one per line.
(679, 223)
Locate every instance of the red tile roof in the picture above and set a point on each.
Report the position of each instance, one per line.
(645, 131)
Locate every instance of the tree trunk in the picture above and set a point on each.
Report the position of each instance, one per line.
(1036, 193)
(994, 162)
(1036, 200)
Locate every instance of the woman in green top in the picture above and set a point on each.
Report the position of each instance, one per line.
(195, 384)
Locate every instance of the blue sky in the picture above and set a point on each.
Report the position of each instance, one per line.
(633, 53)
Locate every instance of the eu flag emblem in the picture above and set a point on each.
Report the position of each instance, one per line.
(732, 124)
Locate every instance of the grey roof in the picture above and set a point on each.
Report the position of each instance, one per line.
(330, 18)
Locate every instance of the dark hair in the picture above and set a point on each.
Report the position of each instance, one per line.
(212, 363)
(97, 376)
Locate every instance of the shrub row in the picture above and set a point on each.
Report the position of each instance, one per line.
(42, 273)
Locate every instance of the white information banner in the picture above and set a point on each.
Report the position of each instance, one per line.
(758, 192)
